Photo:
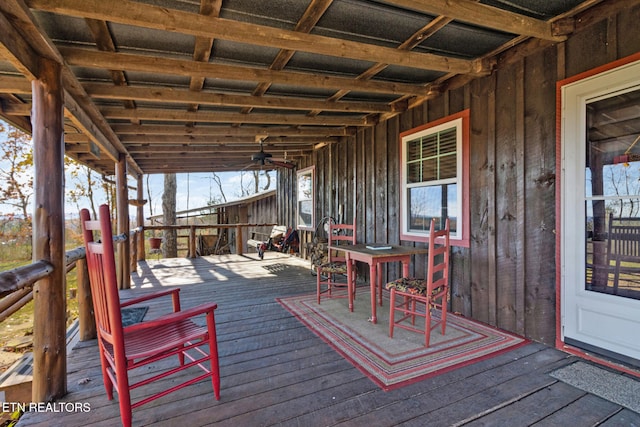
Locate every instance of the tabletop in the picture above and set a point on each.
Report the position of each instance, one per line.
(395, 250)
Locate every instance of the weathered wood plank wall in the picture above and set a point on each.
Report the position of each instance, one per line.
(507, 276)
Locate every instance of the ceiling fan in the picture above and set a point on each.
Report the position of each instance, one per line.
(262, 157)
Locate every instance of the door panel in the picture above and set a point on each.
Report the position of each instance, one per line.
(601, 211)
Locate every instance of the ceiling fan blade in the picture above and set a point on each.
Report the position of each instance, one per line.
(285, 164)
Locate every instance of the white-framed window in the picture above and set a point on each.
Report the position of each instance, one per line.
(434, 178)
(306, 209)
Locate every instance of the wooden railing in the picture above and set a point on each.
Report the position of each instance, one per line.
(16, 285)
(191, 247)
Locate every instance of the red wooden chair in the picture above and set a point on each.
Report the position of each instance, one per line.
(433, 291)
(333, 273)
(123, 349)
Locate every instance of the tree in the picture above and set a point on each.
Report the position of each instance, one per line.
(222, 198)
(253, 186)
(16, 170)
(170, 247)
(84, 184)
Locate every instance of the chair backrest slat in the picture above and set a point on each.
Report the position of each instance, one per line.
(341, 234)
(102, 275)
(438, 257)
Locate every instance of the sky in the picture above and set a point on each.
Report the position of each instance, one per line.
(193, 191)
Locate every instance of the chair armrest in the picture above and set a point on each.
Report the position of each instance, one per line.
(175, 295)
(173, 317)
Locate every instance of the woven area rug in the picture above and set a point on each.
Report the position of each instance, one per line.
(396, 362)
(132, 315)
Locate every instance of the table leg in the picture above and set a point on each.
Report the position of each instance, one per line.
(372, 280)
(405, 267)
(379, 282)
(350, 284)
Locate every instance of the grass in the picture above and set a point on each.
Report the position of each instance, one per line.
(20, 323)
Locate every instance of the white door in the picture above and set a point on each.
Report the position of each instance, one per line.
(600, 205)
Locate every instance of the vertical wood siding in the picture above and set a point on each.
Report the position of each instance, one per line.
(507, 276)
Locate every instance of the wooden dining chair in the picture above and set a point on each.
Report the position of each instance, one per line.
(123, 349)
(333, 273)
(420, 296)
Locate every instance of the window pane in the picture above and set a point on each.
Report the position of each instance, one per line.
(613, 154)
(452, 208)
(427, 202)
(424, 203)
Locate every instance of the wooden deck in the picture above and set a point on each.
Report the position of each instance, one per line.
(277, 372)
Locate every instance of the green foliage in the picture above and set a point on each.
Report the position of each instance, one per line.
(16, 169)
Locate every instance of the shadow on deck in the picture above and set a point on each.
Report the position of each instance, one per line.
(276, 372)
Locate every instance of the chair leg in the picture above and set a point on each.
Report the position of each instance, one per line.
(108, 385)
(392, 306)
(124, 397)
(413, 309)
(181, 357)
(213, 354)
(443, 310)
(427, 323)
(318, 274)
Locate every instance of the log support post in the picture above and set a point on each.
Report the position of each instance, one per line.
(192, 242)
(239, 240)
(87, 322)
(122, 203)
(49, 328)
(140, 219)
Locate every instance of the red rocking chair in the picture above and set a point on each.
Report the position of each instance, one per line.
(125, 348)
(433, 291)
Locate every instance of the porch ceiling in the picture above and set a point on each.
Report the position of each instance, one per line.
(193, 85)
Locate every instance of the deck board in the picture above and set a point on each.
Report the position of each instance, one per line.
(275, 371)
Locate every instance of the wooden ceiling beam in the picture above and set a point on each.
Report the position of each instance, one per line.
(315, 10)
(222, 117)
(15, 85)
(252, 131)
(228, 140)
(290, 150)
(416, 38)
(166, 168)
(104, 41)
(22, 43)
(159, 65)
(181, 96)
(15, 49)
(472, 12)
(159, 18)
(203, 45)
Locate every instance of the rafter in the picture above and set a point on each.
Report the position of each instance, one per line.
(154, 64)
(147, 16)
(252, 131)
(23, 54)
(221, 117)
(482, 15)
(178, 96)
